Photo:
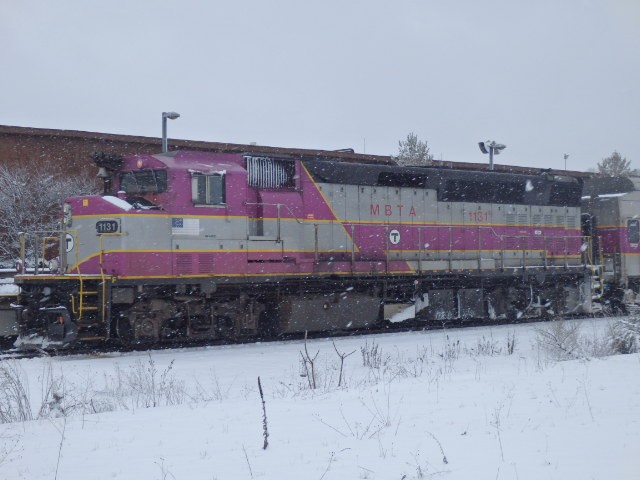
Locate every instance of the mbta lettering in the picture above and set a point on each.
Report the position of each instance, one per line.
(389, 210)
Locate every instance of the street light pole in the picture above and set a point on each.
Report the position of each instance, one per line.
(491, 147)
(171, 116)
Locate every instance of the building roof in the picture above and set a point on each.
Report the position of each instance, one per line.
(346, 155)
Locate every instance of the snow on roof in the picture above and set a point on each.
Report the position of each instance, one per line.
(207, 172)
(118, 202)
(612, 195)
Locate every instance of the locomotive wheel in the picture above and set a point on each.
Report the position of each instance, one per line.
(269, 322)
(143, 331)
(125, 331)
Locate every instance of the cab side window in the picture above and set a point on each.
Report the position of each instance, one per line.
(208, 189)
(633, 231)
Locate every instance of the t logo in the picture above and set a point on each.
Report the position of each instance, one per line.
(394, 237)
(69, 241)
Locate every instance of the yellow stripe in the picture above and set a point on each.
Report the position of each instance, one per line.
(250, 275)
(239, 275)
(338, 219)
(247, 251)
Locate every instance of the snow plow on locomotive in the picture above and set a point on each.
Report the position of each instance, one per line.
(212, 245)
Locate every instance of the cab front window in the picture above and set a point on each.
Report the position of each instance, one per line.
(145, 181)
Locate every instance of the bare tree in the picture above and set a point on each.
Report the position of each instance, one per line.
(413, 151)
(615, 166)
(31, 198)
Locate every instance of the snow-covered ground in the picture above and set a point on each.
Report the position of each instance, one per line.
(481, 403)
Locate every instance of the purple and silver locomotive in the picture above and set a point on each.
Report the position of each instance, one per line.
(205, 245)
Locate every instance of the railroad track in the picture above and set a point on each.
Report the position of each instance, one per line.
(111, 348)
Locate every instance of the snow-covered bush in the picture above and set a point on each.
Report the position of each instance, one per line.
(624, 335)
(16, 402)
(31, 199)
(371, 355)
(15, 405)
(566, 340)
(143, 385)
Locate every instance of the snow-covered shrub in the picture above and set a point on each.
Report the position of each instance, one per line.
(560, 339)
(215, 392)
(371, 355)
(624, 335)
(451, 350)
(144, 386)
(417, 366)
(565, 340)
(15, 405)
(485, 347)
(31, 197)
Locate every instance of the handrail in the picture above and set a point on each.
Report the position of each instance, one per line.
(103, 303)
(104, 295)
(279, 218)
(37, 240)
(80, 295)
(278, 205)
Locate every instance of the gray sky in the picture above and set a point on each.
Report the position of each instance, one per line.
(545, 78)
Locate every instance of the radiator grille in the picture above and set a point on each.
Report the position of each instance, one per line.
(266, 172)
(205, 263)
(184, 263)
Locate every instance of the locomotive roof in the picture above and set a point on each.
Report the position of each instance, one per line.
(452, 185)
(598, 186)
(423, 177)
(457, 185)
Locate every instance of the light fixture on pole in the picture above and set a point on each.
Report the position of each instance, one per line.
(491, 148)
(566, 155)
(171, 116)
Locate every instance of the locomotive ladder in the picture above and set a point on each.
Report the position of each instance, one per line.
(91, 307)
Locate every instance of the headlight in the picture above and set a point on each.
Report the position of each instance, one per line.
(66, 217)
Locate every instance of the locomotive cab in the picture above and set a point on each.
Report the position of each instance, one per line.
(155, 214)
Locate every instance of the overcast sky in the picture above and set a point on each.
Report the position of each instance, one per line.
(544, 77)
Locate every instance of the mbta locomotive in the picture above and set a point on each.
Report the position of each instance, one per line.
(611, 217)
(199, 245)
